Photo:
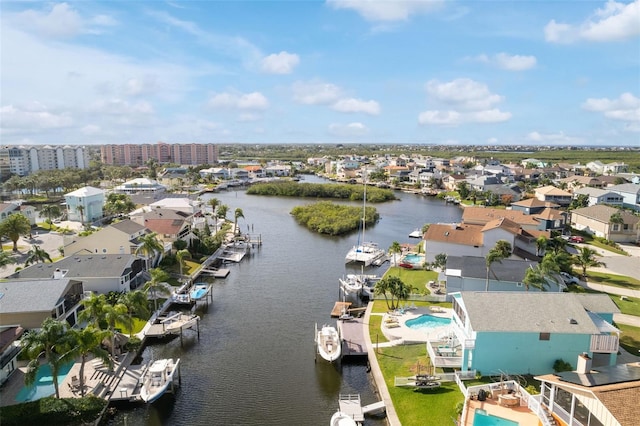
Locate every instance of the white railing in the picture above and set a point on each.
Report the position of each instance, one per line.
(604, 343)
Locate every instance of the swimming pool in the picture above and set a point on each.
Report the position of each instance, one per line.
(481, 418)
(43, 386)
(414, 259)
(427, 321)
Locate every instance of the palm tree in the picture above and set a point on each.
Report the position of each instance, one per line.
(181, 255)
(214, 202)
(393, 286)
(222, 211)
(586, 258)
(136, 302)
(37, 255)
(80, 209)
(5, 259)
(236, 215)
(156, 285)
(541, 245)
(149, 247)
(114, 314)
(85, 342)
(50, 341)
(502, 250)
(51, 211)
(14, 226)
(93, 311)
(394, 249)
(534, 277)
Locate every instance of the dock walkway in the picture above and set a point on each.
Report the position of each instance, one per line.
(352, 335)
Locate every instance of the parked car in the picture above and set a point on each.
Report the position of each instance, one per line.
(569, 279)
(576, 239)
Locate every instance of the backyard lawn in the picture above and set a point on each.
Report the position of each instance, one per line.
(613, 279)
(630, 338)
(627, 305)
(416, 278)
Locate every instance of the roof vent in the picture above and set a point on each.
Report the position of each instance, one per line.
(446, 234)
(572, 321)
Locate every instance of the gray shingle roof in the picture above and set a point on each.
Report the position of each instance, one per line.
(512, 270)
(534, 312)
(127, 226)
(31, 295)
(80, 266)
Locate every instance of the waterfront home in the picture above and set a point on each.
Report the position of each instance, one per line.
(118, 238)
(526, 332)
(100, 273)
(599, 196)
(169, 225)
(484, 215)
(469, 273)
(533, 206)
(597, 396)
(28, 302)
(9, 350)
(84, 205)
(140, 185)
(596, 220)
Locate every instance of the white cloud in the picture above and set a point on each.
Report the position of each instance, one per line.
(396, 10)
(62, 21)
(468, 101)
(122, 107)
(515, 62)
(246, 101)
(351, 129)
(357, 105)
(625, 108)
(492, 141)
(315, 92)
(32, 117)
(248, 117)
(559, 137)
(144, 85)
(616, 21)
(280, 63)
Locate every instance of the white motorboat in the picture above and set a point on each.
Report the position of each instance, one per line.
(328, 342)
(417, 233)
(342, 419)
(157, 378)
(199, 291)
(351, 283)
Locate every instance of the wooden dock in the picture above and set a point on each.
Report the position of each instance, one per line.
(216, 272)
(174, 324)
(339, 308)
(352, 335)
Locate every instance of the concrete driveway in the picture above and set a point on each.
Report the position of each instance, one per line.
(617, 263)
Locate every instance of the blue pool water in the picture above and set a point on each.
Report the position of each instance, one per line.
(43, 385)
(413, 259)
(481, 418)
(427, 321)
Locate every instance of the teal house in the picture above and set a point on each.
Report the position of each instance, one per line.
(84, 205)
(526, 332)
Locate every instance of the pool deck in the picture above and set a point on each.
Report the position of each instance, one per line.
(398, 331)
(519, 414)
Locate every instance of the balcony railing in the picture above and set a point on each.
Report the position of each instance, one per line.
(604, 343)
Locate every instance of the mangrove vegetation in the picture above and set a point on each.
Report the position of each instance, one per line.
(329, 218)
(322, 190)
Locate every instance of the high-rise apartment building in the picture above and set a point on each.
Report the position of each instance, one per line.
(24, 160)
(137, 155)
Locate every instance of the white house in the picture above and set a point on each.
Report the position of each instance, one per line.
(85, 204)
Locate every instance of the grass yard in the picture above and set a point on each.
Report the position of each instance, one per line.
(628, 305)
(630, 338)
(414, 278)
(606, 247)
(613, 279)
(413, 407)
(138, 325)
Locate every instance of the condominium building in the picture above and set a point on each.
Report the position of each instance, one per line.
(24, 160)
(139, 154)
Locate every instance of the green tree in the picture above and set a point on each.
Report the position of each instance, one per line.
(149, 247)
(5, 259)
(93, 312)
(440, 260)
(156, 285)
(587, 258)
(50, 342)
(85, 342)
(14, 226)
(51, 211)
(502, 250)
(393, 287)
(181, 255)
(80, 209)
(236, 215)
(114, 314)
(221, 212)
(118, 204)
(395, 249)
(541, 245)
(37, 255)
(463, 190)
(137, 303)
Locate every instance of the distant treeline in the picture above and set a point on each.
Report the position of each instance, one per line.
(329, 218)
(322, 190)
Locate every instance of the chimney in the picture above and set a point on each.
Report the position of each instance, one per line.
(57, 274)
(584, 364)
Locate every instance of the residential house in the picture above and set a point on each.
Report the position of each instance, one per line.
(279, 170)
(28, 302)
(9, 350)
(630, 193)
(593, 396)
(532, 206)
(255, 171)
(170, 225)
(575, 182)
(554, 195)
(174, 177)
(462, 239)
(100, 273)
(452, 181)
(484, 215)
(180, 204)
(596, 220)
(84, 205)
(140, 185)
(525, 332)
(29, 212)
(118, 238)
(469, 273)
(215, 173)
(599, 196)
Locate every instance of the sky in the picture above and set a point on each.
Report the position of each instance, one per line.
(337, 71)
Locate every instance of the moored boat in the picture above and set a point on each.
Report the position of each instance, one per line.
(328, 342)
(199, 291)
(342, 419)
(157, 378)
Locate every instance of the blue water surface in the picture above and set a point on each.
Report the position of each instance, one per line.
(43, 386)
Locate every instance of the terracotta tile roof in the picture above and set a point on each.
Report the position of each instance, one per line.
(253, 168)
(469, 235)
(482, 216)
(164, 226)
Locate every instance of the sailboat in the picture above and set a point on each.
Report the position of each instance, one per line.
(364, 252)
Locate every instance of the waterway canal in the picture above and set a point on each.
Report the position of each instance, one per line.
(254, 362)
